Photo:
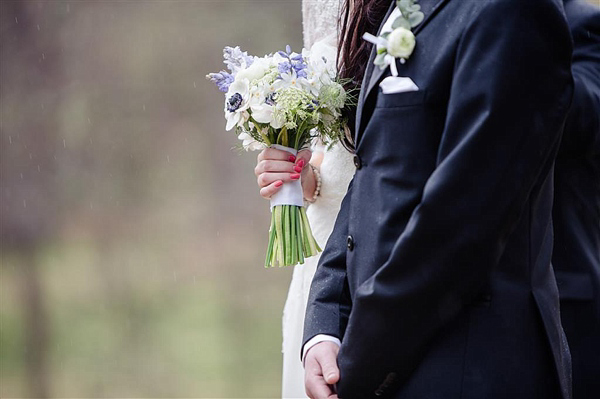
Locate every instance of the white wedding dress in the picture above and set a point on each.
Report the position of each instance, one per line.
(337, 168)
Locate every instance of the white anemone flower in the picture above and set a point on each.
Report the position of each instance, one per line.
(237, 103)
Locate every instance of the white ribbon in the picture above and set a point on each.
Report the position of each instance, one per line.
(391, 61)
(388, 59)
(380, 41)
(291, 192)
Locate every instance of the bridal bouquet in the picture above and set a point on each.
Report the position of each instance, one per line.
(284, 100)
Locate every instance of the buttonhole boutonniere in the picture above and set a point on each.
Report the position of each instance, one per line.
(399, 41)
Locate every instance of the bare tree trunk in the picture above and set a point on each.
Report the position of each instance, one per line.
(36, 327)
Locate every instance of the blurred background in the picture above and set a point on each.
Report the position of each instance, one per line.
(132, 235)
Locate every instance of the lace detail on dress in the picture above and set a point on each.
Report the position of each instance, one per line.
(319, 20)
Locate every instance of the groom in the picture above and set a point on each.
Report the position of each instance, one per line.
(436, 281)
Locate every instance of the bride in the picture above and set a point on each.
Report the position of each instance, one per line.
(324, 179)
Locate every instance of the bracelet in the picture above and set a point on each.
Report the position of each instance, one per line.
(318, 183)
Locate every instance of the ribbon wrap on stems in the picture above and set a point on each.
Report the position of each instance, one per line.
(291, 192)
(290, 236)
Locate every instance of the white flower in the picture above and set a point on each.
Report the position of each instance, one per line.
(322, 57)
(257, 70)
(262, 109)
(237, 103)
(278, 120)
(321, 62)
(262, 113)
(401, 43)
(249, 143)
(290, 80)
(257, 95)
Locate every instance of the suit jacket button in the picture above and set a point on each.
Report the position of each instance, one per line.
(350, 242)
(357, 162)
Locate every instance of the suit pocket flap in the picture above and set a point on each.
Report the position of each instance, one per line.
(574, 285)
(403, 99)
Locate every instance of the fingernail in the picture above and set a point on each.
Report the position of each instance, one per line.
(279, 183)
(301, 164)
(294, 176)
(298, 168)
(292, 158)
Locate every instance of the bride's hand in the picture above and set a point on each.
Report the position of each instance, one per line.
(276, 167)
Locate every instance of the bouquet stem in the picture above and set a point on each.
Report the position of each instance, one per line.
(290, 237)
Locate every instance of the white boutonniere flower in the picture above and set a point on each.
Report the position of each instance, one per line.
(400, 42)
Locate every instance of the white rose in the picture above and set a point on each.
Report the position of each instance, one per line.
(262, 113)
(401, 43)
(322, 50)
(257, 70)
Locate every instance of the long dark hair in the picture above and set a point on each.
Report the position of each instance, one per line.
(357, 18)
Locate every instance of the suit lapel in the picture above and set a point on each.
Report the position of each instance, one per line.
(368, 72)
(372, 74)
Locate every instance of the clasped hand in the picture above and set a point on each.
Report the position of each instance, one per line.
(321, 371)
(274, 167)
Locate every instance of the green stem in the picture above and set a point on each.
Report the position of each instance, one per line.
(305, 243)
(280, 136)
(299, 134)
(269, 258)
(314, 247)
(279, 230)
(299, 236)
(266, 139)
(285, 141)
(286, 235)
(293, 230)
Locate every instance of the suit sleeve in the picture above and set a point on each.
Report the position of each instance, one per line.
(511, 88)
(582, 128)
(329, 301)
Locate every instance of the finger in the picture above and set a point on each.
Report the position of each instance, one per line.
(276, 154)
(268, 191)
(269, 165)
(329, 367)
(315, 385)
(331, 374)
(303, 155)
(317, 389)
(264, 179)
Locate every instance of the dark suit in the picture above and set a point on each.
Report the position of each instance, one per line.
(576, 211)
(437, 275)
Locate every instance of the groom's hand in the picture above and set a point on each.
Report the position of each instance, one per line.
(321, 370)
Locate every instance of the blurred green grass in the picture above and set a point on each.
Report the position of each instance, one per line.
(139, 333)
